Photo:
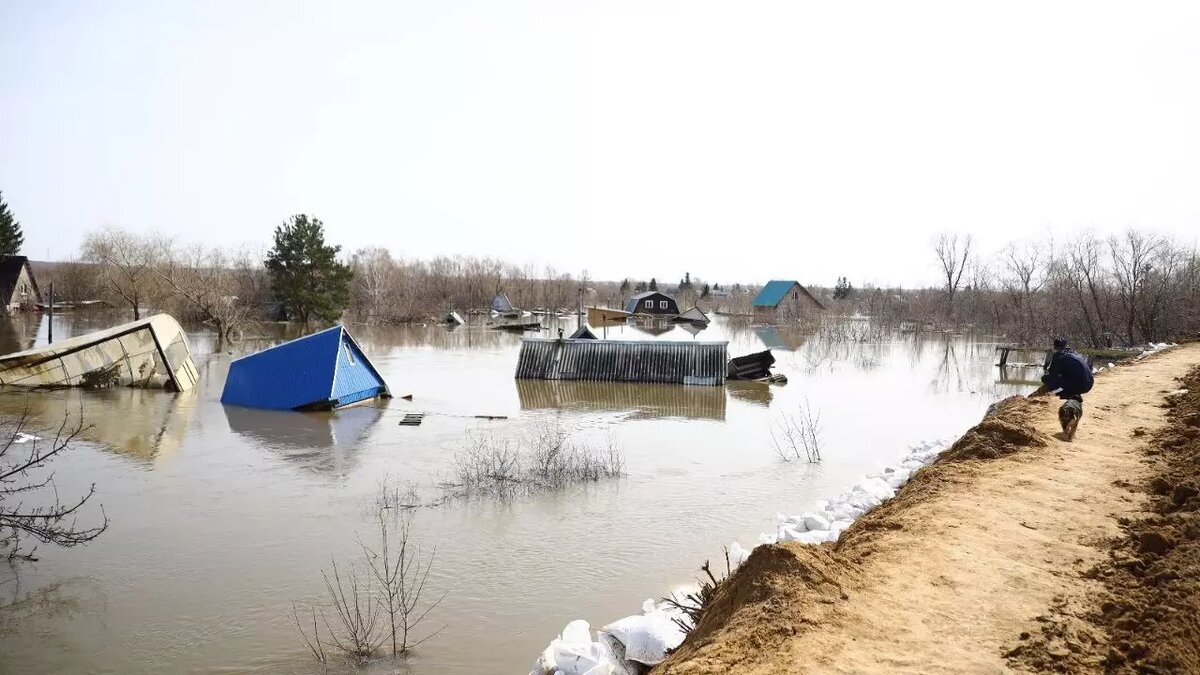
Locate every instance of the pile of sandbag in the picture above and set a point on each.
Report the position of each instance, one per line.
(629, 646)
(632, 645)
(832, 517)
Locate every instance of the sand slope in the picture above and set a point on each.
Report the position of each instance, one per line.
(989, 549)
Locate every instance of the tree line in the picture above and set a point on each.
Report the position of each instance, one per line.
(1116, 291)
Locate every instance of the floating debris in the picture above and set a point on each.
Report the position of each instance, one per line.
(756, 366)
(412, 419)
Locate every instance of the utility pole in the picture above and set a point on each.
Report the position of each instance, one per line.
(50, 326)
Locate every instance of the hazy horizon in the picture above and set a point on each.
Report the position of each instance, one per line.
(772, 140)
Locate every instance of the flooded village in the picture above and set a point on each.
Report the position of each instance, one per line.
(578, 339)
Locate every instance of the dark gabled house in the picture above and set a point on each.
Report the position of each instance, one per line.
(18, 288)
(652, 302)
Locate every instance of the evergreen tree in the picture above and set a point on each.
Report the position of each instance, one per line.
(641, 286)
(704, 291)
(843, 290)
(624, 287)
(305, 273)
(11, 238)
(653, 284)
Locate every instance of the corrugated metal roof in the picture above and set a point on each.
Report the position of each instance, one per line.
(701, 363)
(325, 368)
(775, 291)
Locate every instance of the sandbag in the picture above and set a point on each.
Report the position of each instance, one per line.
(646, 637)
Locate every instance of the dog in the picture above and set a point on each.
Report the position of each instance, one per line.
(1068, 416)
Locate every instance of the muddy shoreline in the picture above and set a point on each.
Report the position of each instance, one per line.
(1084, 557)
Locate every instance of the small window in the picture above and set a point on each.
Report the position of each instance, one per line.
(662, 304)
(795, 295)
(649, 304)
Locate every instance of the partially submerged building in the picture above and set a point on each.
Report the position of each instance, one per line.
(322, 371)
(781, 300)
(151, 352)
(502, 306)
(668, 362)
(18, 289)
(693, 315)
(652, 302)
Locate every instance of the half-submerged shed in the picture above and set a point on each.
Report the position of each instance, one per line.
(151, 352)
(700, 363)
(693, 315)
(322, 371)
(502, 306)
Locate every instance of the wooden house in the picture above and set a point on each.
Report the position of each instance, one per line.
(781, 300)
(652, 302)
(18, 289)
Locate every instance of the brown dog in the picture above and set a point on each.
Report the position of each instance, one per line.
(1069, 414)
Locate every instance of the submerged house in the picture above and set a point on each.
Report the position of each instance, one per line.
(666, 362)
(151, 352)
(781, 300)
(693, 315)
(502, 306)
(18, 289)
(322, 371)
(652, 302)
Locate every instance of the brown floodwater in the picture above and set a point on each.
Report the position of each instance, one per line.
(222, 517)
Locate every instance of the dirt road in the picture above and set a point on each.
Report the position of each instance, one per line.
(1016, 551)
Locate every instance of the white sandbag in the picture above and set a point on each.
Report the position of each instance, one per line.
(737, 554)
(787, 533)
(545, 662)
(839, 526)
(815, 537)
(577, 632)
(646, 637)
(574, 659)
(814, 521)
(613, 653)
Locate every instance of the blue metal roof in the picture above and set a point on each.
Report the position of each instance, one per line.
(323, 369)
(773, 292)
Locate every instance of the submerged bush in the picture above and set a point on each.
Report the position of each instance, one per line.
(547, 458)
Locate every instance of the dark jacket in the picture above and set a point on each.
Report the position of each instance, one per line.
(1070, 372)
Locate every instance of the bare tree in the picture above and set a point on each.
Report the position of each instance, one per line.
(402, 575)
(207, 283)
(1132, 257)
(24, 459)
(953, 251)
(126, 263)
(799, 436)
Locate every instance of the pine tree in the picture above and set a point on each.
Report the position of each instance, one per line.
(653, 284)
(705, 291)
(305, 273)
(11, 238)
(624, 287)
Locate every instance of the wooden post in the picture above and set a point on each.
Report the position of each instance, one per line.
(1004, 356)
(50, 323)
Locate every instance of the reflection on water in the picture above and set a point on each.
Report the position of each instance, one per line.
(320, 441)
(146, 424)
(647, 401)
(758, 393)
(206, 552)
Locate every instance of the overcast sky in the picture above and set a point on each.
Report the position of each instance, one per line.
(739, 141)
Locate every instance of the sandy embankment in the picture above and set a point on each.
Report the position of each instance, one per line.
(1016, 550)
